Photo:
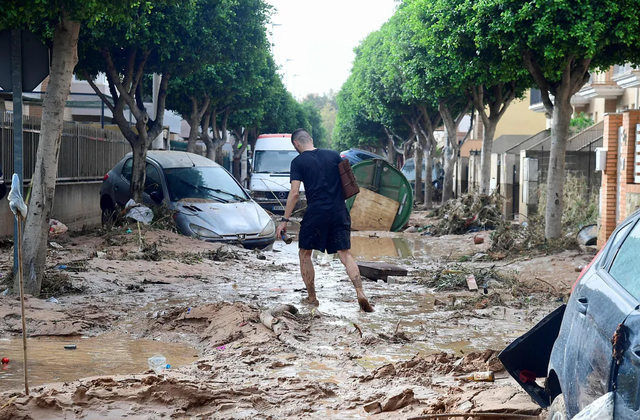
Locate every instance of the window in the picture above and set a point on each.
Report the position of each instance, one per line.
(127, 169)
(625, 269)
(203, 183)
(153, 181)
(614, 244)
(273, 161)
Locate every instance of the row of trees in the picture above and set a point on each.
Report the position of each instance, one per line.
(435, 61)
(212, 63)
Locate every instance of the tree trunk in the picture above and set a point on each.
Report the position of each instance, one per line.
(193, 133)
(139, 172)
(36, 230)
(428, 178)
(562, 111)
(485, 156)
(417, 160)
(449, 165)
(392, 155)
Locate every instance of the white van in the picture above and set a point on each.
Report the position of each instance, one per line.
(270, 168)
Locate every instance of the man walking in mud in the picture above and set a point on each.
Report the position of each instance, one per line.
(326, 225)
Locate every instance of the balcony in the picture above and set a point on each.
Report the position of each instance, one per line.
(601, 85)
(626, 76)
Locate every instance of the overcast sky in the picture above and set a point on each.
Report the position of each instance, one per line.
(319, 36)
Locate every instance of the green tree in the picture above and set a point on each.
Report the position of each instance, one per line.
(172, 39)
(488, 77)
(205, 98)
(59, 22)
(559, 43)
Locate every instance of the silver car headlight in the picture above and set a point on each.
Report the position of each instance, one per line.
(269, 229)
(203, 232)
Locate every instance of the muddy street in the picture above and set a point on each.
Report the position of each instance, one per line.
(121, 301)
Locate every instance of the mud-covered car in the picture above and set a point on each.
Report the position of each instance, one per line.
(208, 202)
(591, 346)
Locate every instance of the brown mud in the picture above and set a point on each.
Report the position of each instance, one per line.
(199, 305)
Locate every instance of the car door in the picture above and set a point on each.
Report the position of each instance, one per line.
(123, 182)
(625, 270)
(596, 307)
(153, 183)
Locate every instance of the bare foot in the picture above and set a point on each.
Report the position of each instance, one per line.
(364, 304)
(308, 301)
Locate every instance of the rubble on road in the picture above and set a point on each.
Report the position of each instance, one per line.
(471, 212)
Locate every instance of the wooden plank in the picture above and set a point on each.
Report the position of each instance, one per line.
(372, 211)
(376, 270)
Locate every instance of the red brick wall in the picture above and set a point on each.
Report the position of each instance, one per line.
(609, 177)
(610, 198)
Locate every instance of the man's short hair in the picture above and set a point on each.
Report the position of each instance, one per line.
(301, 135)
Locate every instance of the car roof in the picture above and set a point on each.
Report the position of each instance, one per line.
(353, 149)
(176, 159)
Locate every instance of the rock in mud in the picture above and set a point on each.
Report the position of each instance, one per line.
(398, 401)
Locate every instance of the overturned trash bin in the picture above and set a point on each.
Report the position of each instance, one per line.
(385, 201)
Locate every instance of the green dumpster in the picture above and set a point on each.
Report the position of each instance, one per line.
(380, 177)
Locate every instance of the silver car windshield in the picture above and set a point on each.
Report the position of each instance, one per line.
(203, 184)
(274, 161)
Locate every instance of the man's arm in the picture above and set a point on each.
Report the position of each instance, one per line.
(292, 200)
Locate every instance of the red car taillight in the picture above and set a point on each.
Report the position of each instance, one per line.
(106, 176)
(584, 270)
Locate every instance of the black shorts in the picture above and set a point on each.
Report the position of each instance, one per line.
(330, 232)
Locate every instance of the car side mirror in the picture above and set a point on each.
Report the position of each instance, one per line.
(157, 196)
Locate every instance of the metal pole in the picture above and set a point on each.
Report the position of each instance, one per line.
(24, 322)
(102, 114)
(16, 79)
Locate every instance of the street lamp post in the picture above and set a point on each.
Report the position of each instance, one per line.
(286, 70)
(294, 84)
(273, 34)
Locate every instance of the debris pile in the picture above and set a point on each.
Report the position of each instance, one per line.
(454, 277)
(515, 238)
(469, 213)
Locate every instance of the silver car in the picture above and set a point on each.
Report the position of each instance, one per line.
(209, 202)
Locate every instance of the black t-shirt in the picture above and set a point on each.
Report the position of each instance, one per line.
(318, 171)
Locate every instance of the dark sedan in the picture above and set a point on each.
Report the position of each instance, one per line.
(591, 346)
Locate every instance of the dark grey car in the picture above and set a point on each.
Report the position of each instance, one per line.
(210, 204)
(592, 346)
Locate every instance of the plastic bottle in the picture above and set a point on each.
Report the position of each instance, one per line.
(158, 364)
(479, 377)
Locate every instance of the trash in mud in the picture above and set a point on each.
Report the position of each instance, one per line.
(53, 300)
(470, 212)
(55, 245)
(138, 212)
(478, 240)
(70, 347)
(5, 360)
(158, 364)
(56, 227)
(487, 376)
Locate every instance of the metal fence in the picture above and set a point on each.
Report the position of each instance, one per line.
(86, 152)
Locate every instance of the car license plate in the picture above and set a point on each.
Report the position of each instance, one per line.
(278, 208)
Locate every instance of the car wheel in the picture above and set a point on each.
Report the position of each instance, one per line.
(108, 217)
(558, 411)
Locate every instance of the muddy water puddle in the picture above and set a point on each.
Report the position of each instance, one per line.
(108, 354)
